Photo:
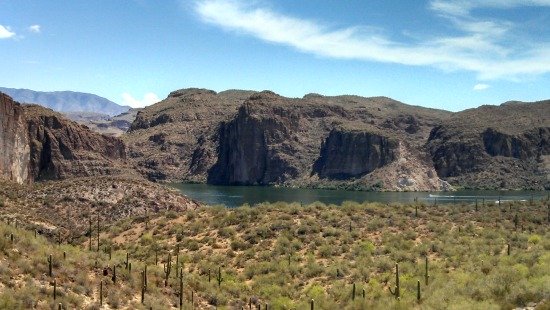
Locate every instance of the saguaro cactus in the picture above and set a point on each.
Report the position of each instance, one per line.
(353, 292)
(54, 289)
(143, 285)
(167, 269)
(219, 278)
(396, 291)
(312, 303)
(90, 232)
(181, 288)
(418, 290)
(50, 260)
(114, 274)
(426, 275)
(98, 233)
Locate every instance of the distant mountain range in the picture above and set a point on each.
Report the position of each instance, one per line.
(66, 101)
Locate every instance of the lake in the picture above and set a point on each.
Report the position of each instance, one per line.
(234, 196)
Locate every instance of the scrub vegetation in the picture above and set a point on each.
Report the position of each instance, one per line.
(289, 256)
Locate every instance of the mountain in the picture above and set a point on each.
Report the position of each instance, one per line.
(261, 138)
(40, 144)
(506, 146)
(66, 101)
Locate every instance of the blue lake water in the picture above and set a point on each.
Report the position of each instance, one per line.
(234, 196)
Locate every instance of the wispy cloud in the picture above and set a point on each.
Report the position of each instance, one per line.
(464, 7)
(5, 32)
(479, 87)
(148, 99)
(482, 47)
(34, 28)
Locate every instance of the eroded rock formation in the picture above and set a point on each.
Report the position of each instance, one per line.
(14, 143)
(353, 153)
(39, 144)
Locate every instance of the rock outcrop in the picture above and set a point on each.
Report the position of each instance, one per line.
(39, 144)
(14, 143)
(177, 138)
(245, 138)
(494, 147)
(61, 148)
(314, 142)
(353, 153)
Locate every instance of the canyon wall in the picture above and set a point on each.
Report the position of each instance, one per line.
(39, 144)
(14, 143)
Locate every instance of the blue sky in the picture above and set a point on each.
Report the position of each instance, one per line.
(448, 54)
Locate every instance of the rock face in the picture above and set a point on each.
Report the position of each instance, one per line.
(39, 144)
(61, 148)
(246, 138)
(351, 154)
(177, 138)
(14, 144)
(495, 147)
(253, 150)
(261, 138)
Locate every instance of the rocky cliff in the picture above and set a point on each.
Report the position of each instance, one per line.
(61, 148)
(245, 138)
(14, 144)
(353, 153)
(495, 147)
(39, 144)
(177, 138)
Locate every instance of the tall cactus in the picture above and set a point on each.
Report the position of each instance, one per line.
(143, 284)
(114, 274)
(90, 232)
(353, 292)
(219, 277)
(50, 260)
(181, 288)
(426, 275)
(396, 292)
(167, 269)
(54, 289)
(98, 233)
(312, 304)
(418, 290)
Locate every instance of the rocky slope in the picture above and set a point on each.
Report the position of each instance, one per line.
(244, 138)
(506, 146)
(39, 144)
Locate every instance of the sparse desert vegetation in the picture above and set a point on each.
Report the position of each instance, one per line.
(285, 255)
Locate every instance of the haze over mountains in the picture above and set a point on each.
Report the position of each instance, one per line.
(66, 101)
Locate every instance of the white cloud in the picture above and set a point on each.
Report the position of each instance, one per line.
(148, 99)
(480, 87)
(464, 7)
(482, 47)
(5, 32)
(34, 28)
